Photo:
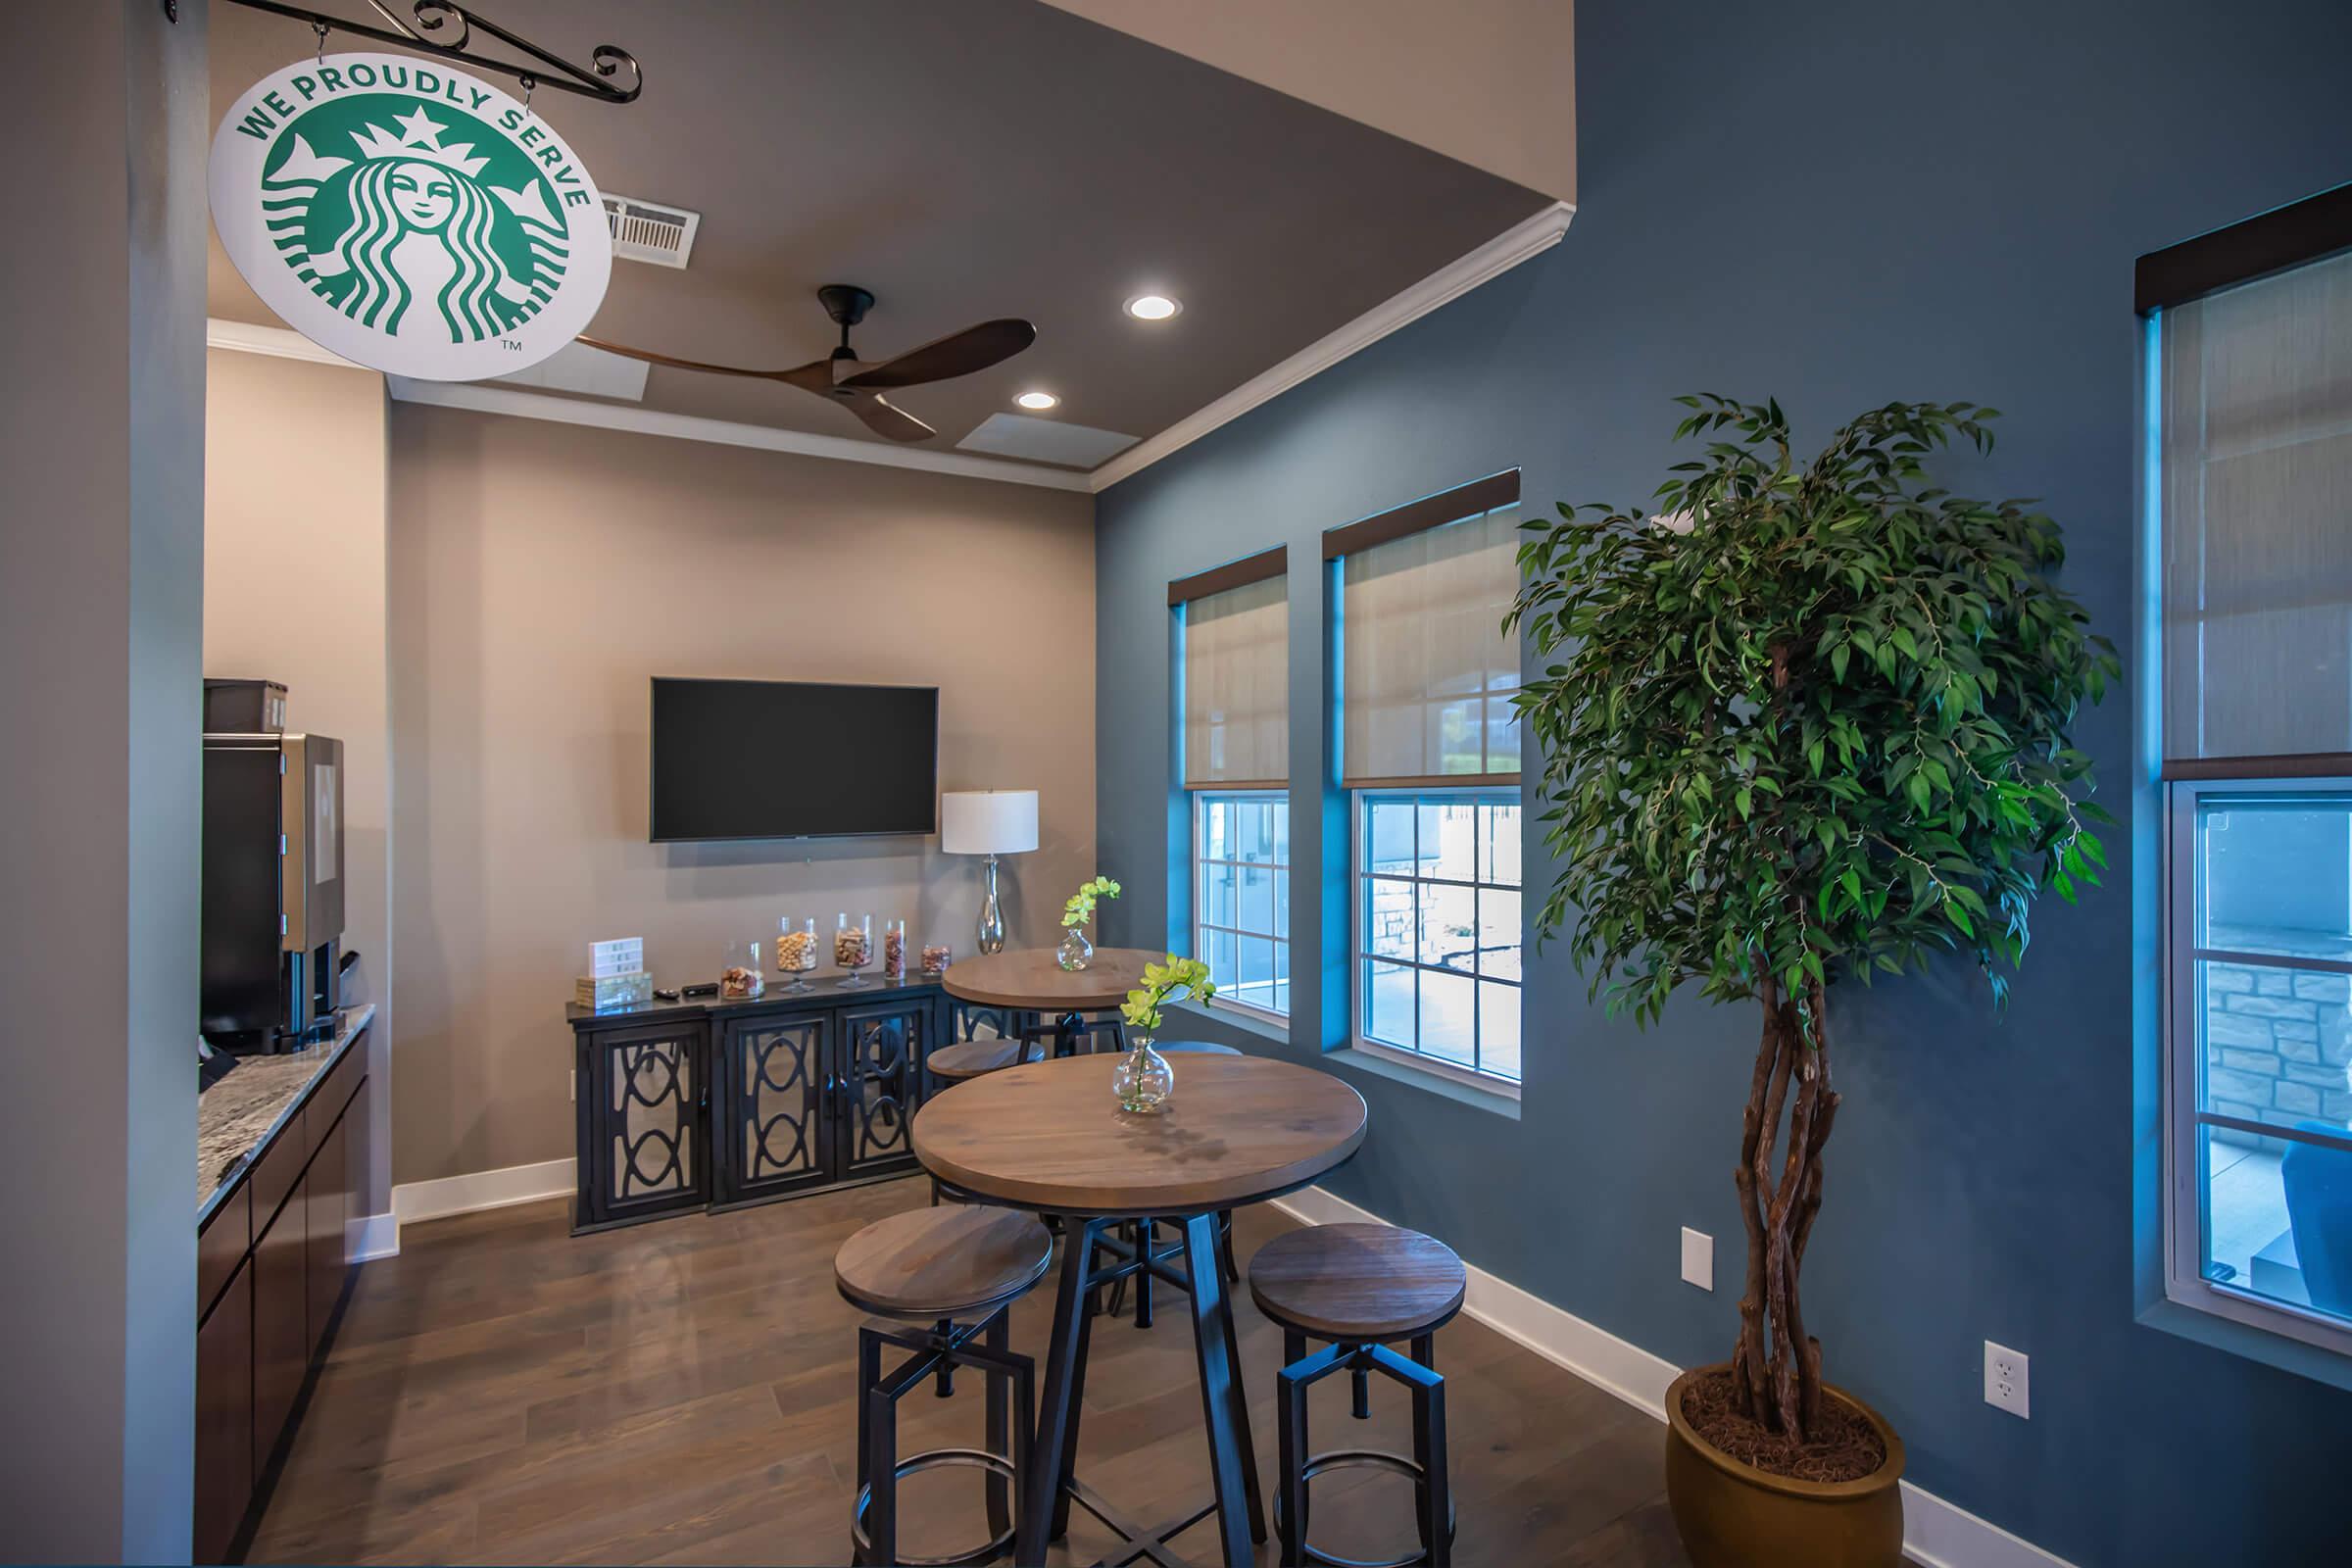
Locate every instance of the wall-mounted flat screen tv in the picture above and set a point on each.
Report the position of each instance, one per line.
(789, 760)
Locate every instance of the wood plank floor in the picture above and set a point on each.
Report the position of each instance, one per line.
(681, 1392)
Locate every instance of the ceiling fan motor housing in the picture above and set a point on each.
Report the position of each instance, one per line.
(845, 303)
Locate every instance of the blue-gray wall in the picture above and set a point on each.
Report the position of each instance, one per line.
(1838, 204)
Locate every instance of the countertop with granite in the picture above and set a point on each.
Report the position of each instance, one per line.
(235, 1114)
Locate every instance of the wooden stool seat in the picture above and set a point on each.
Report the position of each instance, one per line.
(932, 1264)
(969, 1059)
(1195, 1047)
(1357, 1282)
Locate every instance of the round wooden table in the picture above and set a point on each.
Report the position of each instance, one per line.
(1031, 980)
(1051, 1138)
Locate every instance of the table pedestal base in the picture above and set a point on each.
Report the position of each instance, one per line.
(1052, 1486)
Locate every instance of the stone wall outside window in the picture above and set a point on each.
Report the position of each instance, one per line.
(2277, 1041)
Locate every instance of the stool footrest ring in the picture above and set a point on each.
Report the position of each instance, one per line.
(1360, 1459)
(937, 1459)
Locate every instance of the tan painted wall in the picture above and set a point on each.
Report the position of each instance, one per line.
(541, 573)
(294, 583)
(1491, 83)
(101, 605)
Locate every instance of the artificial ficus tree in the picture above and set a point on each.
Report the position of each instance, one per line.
(1802, 720)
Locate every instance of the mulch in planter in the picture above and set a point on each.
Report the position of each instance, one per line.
(1844, 1447)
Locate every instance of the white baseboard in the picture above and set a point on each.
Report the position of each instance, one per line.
(1936, 1533)
(482, 1188)
(370, 1236)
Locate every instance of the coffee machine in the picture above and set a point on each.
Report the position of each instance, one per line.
(273, 906)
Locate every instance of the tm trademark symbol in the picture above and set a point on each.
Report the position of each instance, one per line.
(509, 345)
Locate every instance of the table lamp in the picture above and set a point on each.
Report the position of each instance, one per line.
(990, 822)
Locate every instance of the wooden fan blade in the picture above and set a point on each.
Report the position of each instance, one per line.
(880, 417)
(975, 348)
(816, 375)
(885, 417)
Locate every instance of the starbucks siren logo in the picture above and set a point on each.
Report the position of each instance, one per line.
(409, 217)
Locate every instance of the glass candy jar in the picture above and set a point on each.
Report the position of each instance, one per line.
(739, 976)
(796, 950)
(854, 949)
(1143, 1080)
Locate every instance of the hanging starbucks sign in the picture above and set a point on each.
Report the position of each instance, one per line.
(409, 217)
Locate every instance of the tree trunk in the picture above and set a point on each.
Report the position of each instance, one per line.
(1777, 1366)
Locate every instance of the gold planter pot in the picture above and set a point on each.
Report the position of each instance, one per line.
(1733, 1515)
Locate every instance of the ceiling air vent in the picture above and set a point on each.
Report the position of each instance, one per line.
(644, 232)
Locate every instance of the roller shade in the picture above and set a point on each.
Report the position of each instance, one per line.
(2256, 502)
(1427, 674)
(1237, 717)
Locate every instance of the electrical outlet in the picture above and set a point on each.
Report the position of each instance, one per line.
(2005, 1385)
(1699, 1258)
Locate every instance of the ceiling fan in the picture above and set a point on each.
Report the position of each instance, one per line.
(857, 384)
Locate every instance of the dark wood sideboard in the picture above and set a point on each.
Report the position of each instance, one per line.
(271, 1271)
(689, 1107)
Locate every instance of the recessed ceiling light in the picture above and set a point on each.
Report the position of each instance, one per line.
(1153, 307)
(1036, 399)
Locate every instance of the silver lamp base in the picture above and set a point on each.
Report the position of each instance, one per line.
(992, 915)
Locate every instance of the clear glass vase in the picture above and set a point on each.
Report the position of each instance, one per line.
(853, 950)
(796, 951)
(739, 976)
(1075, 952)
(1143, 1080)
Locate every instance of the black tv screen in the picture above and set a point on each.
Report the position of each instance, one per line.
(788, 760)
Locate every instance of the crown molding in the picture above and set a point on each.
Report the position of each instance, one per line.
(284, 343)
(482, 399)
(1529, 238)
(277, 342)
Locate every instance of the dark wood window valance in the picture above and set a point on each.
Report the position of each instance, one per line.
(1240, 573)
(2269, 242)
(1470, 500)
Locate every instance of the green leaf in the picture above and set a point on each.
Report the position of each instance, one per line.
(1710, 773)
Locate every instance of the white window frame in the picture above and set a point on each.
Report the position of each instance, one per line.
(1201, 924)
(1360, 960)
(2185, 1185)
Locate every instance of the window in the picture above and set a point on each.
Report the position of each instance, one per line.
(2250, 477)
(1429, 758)
(1241, 896)
(2262, 978)
(1234, 664)
(1437, 927)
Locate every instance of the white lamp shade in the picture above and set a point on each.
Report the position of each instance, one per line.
(988, 821)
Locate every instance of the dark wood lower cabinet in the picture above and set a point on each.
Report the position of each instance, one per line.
(684, 1107)
(282, 1309)
(329, 1188)
(224, 1467)
(258, 1342)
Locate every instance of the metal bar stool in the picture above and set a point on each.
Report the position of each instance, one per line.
(1360, 1287)
(961, 1061)
(1073, 1034)
(956, 1270)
